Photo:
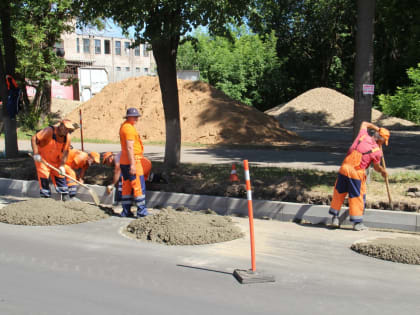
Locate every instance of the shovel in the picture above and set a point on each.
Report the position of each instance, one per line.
(91, 192)
(386, 182)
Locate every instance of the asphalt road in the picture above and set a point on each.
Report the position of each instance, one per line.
(327, 152)
(91, 268)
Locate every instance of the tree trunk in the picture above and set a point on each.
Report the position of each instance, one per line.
(7, 66)
(363, 73)
(165, 55)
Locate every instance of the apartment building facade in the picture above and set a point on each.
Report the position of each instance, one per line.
(98, 60)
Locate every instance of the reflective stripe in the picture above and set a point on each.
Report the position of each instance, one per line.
(247, 177)
(249, 194)
(62, 190)
(126, 202)
(333, 211)
(356, 219)
(45, 192)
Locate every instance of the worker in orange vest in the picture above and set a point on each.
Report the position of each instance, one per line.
(352, 177)
(133, 185)
(79, 160)
(52, 145)
(113, 160)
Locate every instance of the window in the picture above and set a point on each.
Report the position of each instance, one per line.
(117, 47)
(118, 68)
(77, 45)
(146, 50)
(146, 70)
(107, 47)
(86, 45)
(97, 46)
(137, 51)
(137, 69)
(127, 48)
(127, 69)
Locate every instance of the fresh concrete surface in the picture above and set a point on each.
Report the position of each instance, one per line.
(91, 268)
(277, 210)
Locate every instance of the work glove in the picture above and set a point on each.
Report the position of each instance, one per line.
(37, 158)
(109, 189)
(62, 170)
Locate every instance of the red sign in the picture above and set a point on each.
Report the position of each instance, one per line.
(368, 89)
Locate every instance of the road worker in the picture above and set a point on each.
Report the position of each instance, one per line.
(79, 161)
(133, 183)
(351, 179)
(113, 160)
(51, 145)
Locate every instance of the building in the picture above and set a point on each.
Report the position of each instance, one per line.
(97, 60)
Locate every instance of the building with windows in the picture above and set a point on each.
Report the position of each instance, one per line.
(97, 60)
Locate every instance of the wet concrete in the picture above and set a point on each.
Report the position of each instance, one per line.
(184, 227)
(400, 249)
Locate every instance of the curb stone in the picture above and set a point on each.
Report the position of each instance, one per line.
(276, 210)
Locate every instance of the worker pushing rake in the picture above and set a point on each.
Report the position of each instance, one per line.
(351, 178)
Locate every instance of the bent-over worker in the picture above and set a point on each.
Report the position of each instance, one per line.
(52, 145)
(113, 160)
(352, 177)
(133, 185)
(78, 160)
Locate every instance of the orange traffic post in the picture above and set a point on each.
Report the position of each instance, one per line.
(250, 213)
(81, 129)
(251, 275)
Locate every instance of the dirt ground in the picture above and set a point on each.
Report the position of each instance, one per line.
(182, 226)
(207, 115)
(401, 249)
(324, 107)
(41, 211)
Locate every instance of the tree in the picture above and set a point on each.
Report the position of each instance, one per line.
(162, 24)
(363, 73)
(7, 66)
(316, 39)
(406, 101)
(245, 67)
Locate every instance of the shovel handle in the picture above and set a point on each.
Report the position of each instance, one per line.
(58, 171)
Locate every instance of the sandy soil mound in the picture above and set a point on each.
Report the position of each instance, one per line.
(325, 107)
(207, 115)
(402, 249)
(185, 227)
(41, 211)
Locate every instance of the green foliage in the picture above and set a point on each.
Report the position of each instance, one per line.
(246, 67)
(405, 103)
(315, 40)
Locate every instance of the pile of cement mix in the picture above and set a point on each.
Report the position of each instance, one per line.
(324, 107)
(402, 249)
(207, 115)
(186, 227)
(46, 211)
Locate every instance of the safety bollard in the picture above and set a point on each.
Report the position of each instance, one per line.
(251, 275)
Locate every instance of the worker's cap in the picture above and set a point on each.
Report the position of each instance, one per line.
(384, 133)
(95, 156)
(132, 112)
(67, 123)
(106, 156)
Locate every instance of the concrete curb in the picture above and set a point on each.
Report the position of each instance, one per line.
(276, 210)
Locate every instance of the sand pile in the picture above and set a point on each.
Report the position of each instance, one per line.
(402, 249)
(325, 107)
(41, 211)
(207, 115)
(184, 227)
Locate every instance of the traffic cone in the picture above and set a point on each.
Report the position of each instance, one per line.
(233, 175)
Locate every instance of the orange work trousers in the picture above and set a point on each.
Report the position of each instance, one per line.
(351, 181)
(44, 173)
